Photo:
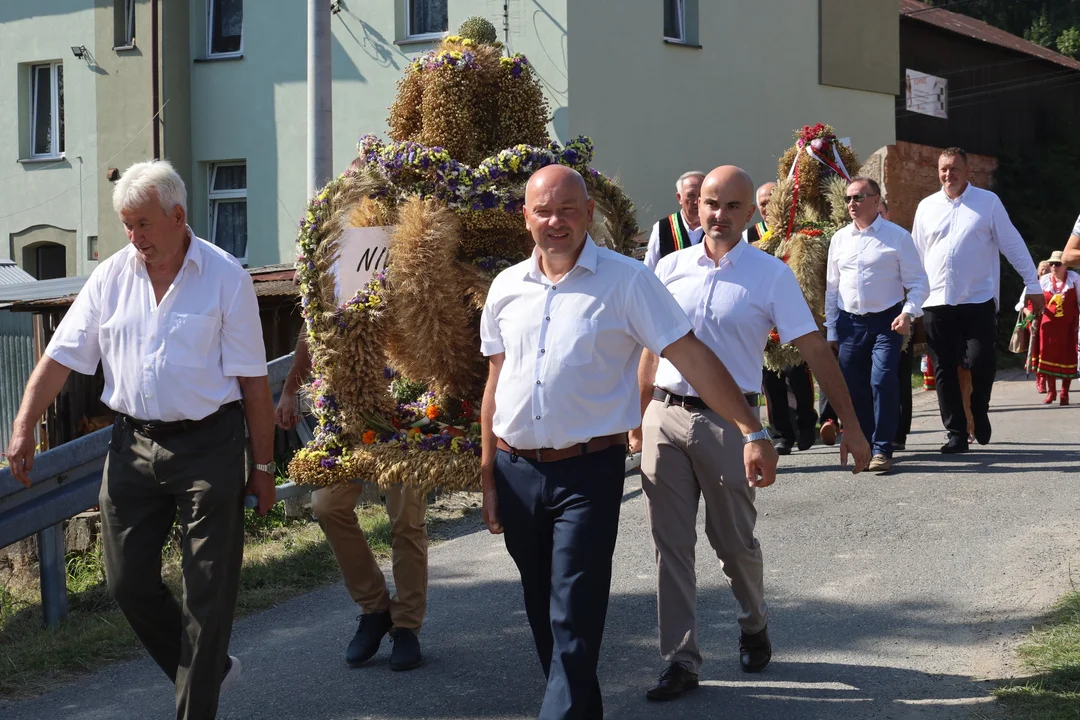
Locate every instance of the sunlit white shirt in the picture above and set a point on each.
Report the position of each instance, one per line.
(959, 242)
(869, 270)
(179, 360)
(652, 251)
(572, 347)
(733, 306)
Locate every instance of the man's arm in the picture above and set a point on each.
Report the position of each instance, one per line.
(259, 412)
(646, 380)
(817, 354)
(1015, 250)
(832, 287)
(44, 385)
(1071, 256)
(487, 445)
(652, 250)
(286, 414)
(714, 384)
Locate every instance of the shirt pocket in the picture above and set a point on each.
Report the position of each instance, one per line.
(574, 343)
(190, 339)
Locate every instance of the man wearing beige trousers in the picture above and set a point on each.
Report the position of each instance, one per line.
(401, 614)
(733, 294)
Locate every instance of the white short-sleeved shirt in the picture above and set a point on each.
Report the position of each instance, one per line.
(733, 306)
(572, 347)
(179, 360)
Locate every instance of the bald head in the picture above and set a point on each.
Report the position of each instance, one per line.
(763, 194)
(556, 176)
(558, 212)
(727, 204)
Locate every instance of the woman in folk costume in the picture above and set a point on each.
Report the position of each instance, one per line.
(1057, 328)
(1032, 363)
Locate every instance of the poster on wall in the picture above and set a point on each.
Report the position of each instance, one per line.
(362, 252)
(926, 94)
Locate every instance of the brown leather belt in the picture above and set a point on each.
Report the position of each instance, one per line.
(549, 455)
(693, 403)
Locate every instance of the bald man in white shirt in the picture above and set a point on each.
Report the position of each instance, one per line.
(174, 322)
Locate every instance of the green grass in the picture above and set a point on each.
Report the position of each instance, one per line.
(1053, 652)
(282, 559)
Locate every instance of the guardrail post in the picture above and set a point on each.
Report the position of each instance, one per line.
(50, 545)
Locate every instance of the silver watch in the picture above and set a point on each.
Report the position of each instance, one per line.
(269, 468)
(762, 434)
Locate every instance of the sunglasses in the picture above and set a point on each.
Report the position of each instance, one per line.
(848, 199)
(1055, 264)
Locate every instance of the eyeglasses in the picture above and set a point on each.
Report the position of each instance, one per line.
(848, 199)
(1055, 264)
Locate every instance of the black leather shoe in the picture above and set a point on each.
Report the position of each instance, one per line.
(783, 447)
(755, 651)
(955, 445)
(674, 681)
(406, 653)
(982, 430)
(806, 438)
(369, 634)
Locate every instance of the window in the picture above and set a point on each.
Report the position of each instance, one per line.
(47, 110)
(425, 18)
(225, 25)
(228, 208)
(123, 23)
(675, 20)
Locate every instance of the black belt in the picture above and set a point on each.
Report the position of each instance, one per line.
(160, 427)
(691, 402)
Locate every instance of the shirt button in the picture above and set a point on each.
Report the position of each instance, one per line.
(548, 318)
(542, 351)
(537, 382)
(537, 417)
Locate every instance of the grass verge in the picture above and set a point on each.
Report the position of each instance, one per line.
(1053, 651)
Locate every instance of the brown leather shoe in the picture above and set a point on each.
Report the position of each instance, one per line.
(674, 681)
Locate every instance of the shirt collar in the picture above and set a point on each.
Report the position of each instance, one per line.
(686, 223)
(962, 195)
(871, 229)
(731, 256)
(194, 253)
(587, 260)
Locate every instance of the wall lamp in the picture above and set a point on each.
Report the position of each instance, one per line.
(78, 51)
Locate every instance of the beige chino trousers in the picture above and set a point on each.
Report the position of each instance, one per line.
(687, 455)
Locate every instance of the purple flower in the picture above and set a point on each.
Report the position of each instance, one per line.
(329, 463)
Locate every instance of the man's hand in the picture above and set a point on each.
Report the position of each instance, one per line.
(760, 459)
(491, 501)
(286, 415)
(834, 346)
(261, 485)
(902, 324)
(20, 454)
(1038, 302)
(854, 442)
(634, 438)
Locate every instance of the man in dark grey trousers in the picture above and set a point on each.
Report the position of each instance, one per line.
(175, 324)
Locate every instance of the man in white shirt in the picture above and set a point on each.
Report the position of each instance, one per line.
(734, 294)
(678, 230)
(1071, 256)
(564, 331)
(960, 233)
(175, 324)
(872, 264)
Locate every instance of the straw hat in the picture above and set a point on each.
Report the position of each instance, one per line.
(1055, 257)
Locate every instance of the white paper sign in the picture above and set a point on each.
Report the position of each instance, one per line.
(362, 252)
(927, 94)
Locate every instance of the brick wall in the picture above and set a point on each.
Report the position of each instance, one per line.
(908, 173)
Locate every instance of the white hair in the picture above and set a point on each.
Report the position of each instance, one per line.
(152, 178)
(684, 176)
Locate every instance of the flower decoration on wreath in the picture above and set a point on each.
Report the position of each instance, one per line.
(397, 375)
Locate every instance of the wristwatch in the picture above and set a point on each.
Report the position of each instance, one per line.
(270, 468)
(762, 434)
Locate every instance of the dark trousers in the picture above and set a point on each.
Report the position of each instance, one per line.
(561, 519)
(869, 359)
(963, 334)
(905, 368)
(775, 387)
(199, 473)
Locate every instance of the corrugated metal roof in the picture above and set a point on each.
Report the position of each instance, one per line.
(12, 274)
(16, 362)
(972, 28)
(42, 290)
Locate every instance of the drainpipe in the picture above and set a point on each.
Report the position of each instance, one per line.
(154, 72)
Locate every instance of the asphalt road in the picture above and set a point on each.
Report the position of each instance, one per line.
(899, 596)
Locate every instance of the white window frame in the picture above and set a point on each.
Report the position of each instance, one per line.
(216, 196)
(54, 151)
(680, 7)
(423, 36)
(210, 34)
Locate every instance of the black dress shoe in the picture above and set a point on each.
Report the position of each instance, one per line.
(369, 634)
(755, 651)
(982, 430)
(783, 447)
(406, 653)
(956, 444)
(674, 681)
(806, 438)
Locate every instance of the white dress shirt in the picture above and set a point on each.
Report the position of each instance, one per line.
(870, 270)
(1076, 228)
(733, 306)
(652, 251)
(572, 347)
(959, 241)
(179, 360)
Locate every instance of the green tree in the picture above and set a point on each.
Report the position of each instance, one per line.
(1068, 43)
(1041, 31)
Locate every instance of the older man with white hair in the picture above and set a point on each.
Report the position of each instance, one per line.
(175, 324)
(678, 230)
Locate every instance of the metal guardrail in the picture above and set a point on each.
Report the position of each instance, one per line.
(66, 481)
